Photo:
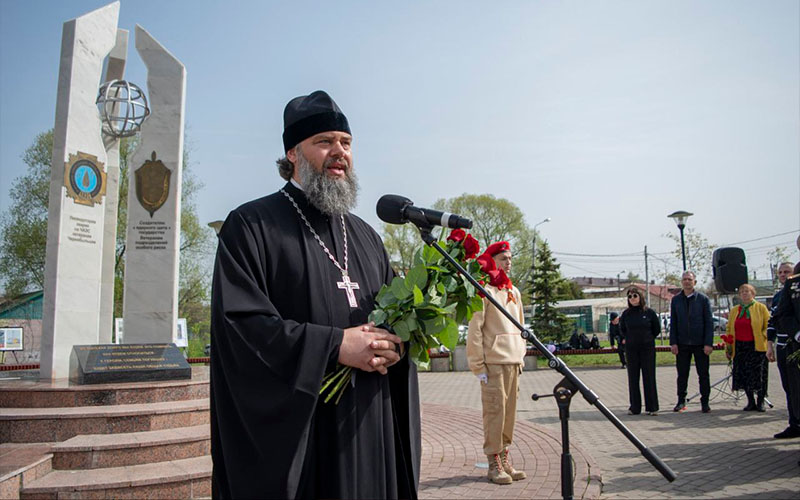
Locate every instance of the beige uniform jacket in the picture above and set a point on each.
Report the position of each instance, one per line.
(492, 338)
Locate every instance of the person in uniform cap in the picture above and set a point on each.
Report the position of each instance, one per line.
(495, 352)
(295, 279)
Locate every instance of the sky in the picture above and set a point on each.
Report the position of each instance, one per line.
(605, 116)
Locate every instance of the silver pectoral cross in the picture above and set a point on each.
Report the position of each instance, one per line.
(349, 286)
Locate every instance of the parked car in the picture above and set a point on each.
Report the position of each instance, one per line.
(720, 323)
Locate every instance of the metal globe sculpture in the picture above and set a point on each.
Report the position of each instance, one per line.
(123, 108)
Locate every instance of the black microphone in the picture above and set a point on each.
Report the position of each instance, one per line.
(396, 209)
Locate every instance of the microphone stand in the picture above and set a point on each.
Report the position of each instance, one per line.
(563, 390)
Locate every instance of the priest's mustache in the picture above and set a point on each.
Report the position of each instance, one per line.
(396, 209)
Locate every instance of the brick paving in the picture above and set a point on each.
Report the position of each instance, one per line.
(724, 454)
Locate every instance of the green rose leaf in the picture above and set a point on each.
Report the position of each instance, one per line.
(430, 255)
(417, 276)
(401, 330)
(378, 316)
(418, 298)
(449, 336)
(476, 303)
(399, 289)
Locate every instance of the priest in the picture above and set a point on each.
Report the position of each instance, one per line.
(295, 279)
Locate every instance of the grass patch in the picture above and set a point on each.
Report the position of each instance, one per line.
(612, 359)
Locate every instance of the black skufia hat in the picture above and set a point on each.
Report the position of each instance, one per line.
(311, 114)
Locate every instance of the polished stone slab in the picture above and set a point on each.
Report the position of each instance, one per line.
(110, 363)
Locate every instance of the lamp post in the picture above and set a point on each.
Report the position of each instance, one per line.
(533, 264)
(216, 225)
(619, 284)
(680, 219)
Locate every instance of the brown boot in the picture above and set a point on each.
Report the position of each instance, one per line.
(505, 459)
(496, 473)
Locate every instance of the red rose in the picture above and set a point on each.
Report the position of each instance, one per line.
(457, 235)
(487, 263)
(471, 247)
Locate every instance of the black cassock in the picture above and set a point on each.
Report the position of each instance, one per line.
(277, 322)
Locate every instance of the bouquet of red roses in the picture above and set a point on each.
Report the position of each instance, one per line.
(728, 339)
(426, 305)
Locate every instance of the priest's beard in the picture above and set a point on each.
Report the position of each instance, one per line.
(331, 196)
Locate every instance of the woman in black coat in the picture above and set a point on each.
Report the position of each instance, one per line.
(640, 326)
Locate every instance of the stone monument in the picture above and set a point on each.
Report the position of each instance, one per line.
(150, 303)
(78, 186)
(83, 205)
(115, 70)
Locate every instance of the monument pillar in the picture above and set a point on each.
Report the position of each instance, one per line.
(115, 70)
(78, 186)
(150, 303)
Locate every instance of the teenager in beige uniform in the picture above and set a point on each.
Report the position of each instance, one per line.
(495, 353)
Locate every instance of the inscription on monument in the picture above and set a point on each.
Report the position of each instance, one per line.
(151, 235)
(98, 364)
(82, 230)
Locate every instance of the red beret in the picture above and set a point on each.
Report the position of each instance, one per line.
(496, 248)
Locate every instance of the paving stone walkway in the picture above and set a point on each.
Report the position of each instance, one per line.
(727, 453)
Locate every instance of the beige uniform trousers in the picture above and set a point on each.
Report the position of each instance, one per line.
(499, 399)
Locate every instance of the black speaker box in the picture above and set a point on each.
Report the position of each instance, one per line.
(730, 269)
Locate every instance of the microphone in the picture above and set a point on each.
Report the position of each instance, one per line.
(396, 209)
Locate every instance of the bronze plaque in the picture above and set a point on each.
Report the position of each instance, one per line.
(84, 179)
(152, 184)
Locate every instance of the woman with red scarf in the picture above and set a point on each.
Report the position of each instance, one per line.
(747, 323)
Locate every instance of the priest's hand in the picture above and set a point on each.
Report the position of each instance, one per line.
(369, 348)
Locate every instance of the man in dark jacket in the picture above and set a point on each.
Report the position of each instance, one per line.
(777, 346)
(691, 333)
(787, 321)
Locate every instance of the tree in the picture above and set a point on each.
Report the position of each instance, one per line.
(569, 290)
(775, 258)
(23, 228)
(632, 276)
(497, 219)
(401, 242)
(548, 322)
(698, 252)
(24, 235)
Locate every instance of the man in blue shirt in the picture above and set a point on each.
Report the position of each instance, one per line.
(691, 333)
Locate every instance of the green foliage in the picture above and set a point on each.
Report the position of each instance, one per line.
(569, 290)
(548, 322)
(424, 308)
(23, 229)
(698, 252)
(427, 305)
(632, 276)
(402, 242)
(497, 219)
(23, 235)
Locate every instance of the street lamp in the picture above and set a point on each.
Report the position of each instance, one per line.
(680, 219)
(619, 285)
(216, 225)
(533, 264)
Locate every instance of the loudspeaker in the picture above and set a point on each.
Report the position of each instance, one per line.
(730, 269)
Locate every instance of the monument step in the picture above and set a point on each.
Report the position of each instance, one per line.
(32, 425)
(94, 451)
(185, 478)
(36, 394)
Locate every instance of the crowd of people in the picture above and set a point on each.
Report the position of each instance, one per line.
(758, 336)
(295, 278)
